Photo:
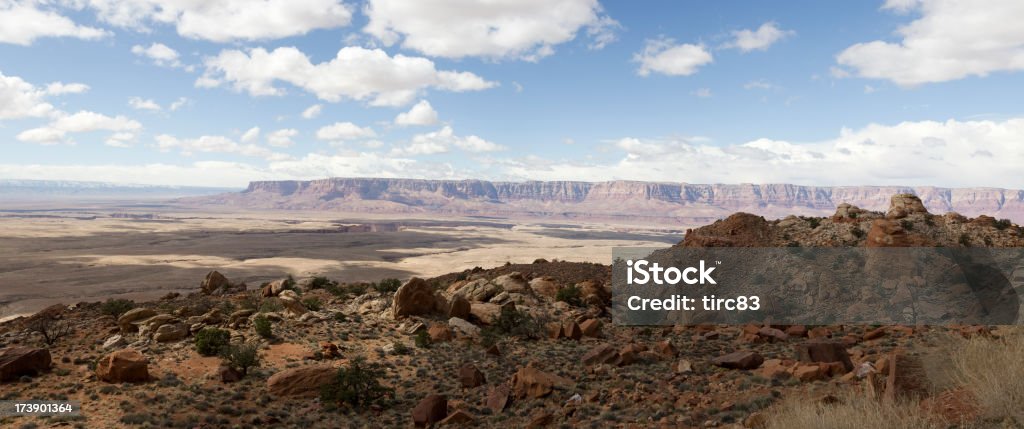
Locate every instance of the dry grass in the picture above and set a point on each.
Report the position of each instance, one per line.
(993, 371)
(853, 411)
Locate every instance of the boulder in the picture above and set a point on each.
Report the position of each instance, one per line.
(512, 283)
(114, 342)
(498, 398)
(464, 327)
(903, 205)
(18, 361)
(743, 359)
(430, 410)
(415, 298)
(594, 293)
(479, 290)
(470, 376)
(530, 382)
(602, 354)
(290, 301)
(214, 284)
(274, 288)
(458, 417)
(458, 306)
(123, 366)
(302, 381)
(572, 330)
(545, 286)
(227, 374)
(127, 320)
(591, 328)
(666, 349)
(485, 312)
(439, 333)
(171, 332)
(824, 351)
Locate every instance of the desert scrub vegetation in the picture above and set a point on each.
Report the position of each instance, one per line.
(570, 295)
(116, 307)
(854, 410)
(992, 370)
(263, 327)
(211, 341)
(357, 386)
(241, 357)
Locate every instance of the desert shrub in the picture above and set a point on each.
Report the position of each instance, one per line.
(357, 386)
(313, 304)
(423, 339)
(907, 224)
(857, 232)
(52, 330)
(263, 326)
(1002, 224)
(241, 356)
(993, 371)
(321, 283)
(289, 283)
(387, 285)
(348, 289)
(271, 305)
(965, 240)
(400, 348)
(116, 307)
(570, 295)
(813, 222)
(852, 411)
(517, 323)
(211, 341)
(250, 301)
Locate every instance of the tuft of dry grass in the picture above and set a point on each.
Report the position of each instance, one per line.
(852, 411)
(993, 371)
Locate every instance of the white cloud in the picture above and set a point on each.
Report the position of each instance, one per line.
(144, 104)
(20, 99)
(665, 57)
(215, 144)
(760, 84)
(226, 20)
(81, 122)
(950, 40)
(61, 88)
(251, 135)
(926, 153)
(312, 111)
(24, 21)
(282, 138)
(179, 103)
(526, 29)
(355, 73)
(161, 54)
(758, 40)
(344, 131)
(420, 114)
(703, 92)
(444, 140)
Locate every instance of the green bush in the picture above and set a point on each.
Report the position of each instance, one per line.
(321, 283)
(387, 285)
(570, 295)
(241, 357)
(271, 305)
(400, 348)
(116, 307)
(313, 304)
(357, 386)
(423, 339)
(211, 341)
(517, 323)
(263, 327)
(1002, 224)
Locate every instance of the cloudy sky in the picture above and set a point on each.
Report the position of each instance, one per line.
(186, 92)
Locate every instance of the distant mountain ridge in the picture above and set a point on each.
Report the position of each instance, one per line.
(33, 189)
(621, 201)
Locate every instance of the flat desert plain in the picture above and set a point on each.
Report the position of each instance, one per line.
(93, 252)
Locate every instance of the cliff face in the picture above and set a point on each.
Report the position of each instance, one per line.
(669, 202)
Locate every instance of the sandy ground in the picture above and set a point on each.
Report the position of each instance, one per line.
(69, 255)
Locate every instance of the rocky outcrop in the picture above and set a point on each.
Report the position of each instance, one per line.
(303, 381)
(123, 366)
(18, 361)
(664, 202)
(416, 297)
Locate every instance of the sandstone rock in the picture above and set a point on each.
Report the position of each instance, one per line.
(796, 331)
(114, 342)
(274, 288)
(775, 369)
(530, 382)
(470, 376)
(214, 284)
(415, 298)
(464, 327)
(459, 306)
(498, 398)
(684, 367)
(903, 205)
(544, 286)
(458, 417)
(439, 333)
(171, 332)
(127, 320)
(540, 418)
(824, 351)
(512, 283)
(480, 290)
(572, 330)
(591, 328)
(430, 410)
(594, 293)
(18, 361)
(485, 313)
(743, 359)
(291, 302)
(602, 354)
(236, 317)
(228, 374)
(889, 233)
(666, 349)
(123, 366)
(556, 331)
(772, 334)
(846, 211)
(302, 381)
(808, 373)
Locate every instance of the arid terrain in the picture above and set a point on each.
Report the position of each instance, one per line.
(516, 345)
(88, 251)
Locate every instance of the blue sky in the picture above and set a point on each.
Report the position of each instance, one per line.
(904, 92)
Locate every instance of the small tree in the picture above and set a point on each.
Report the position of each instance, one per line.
(570, 295)
(263, 327)
(52, 330)
(387, 285)
(241, 357)
(212, 341)
(116, 307)
(358, 386)
(423, 339)
(517, 323)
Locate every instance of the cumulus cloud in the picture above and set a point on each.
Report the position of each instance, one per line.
(179, 103)
(282, 137)
(666, 57)
(61, 88)
(420, 114)
(24, 21)
(138, 103)
(21, 99)
(251, 135)
(58, 130)
(312, 111)
(215, 144)
(355, 73)
(226, 20)
(758, 40)
(340, 131)
(161, 54)
(443, 141)
(950, 40)
(526, 29)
